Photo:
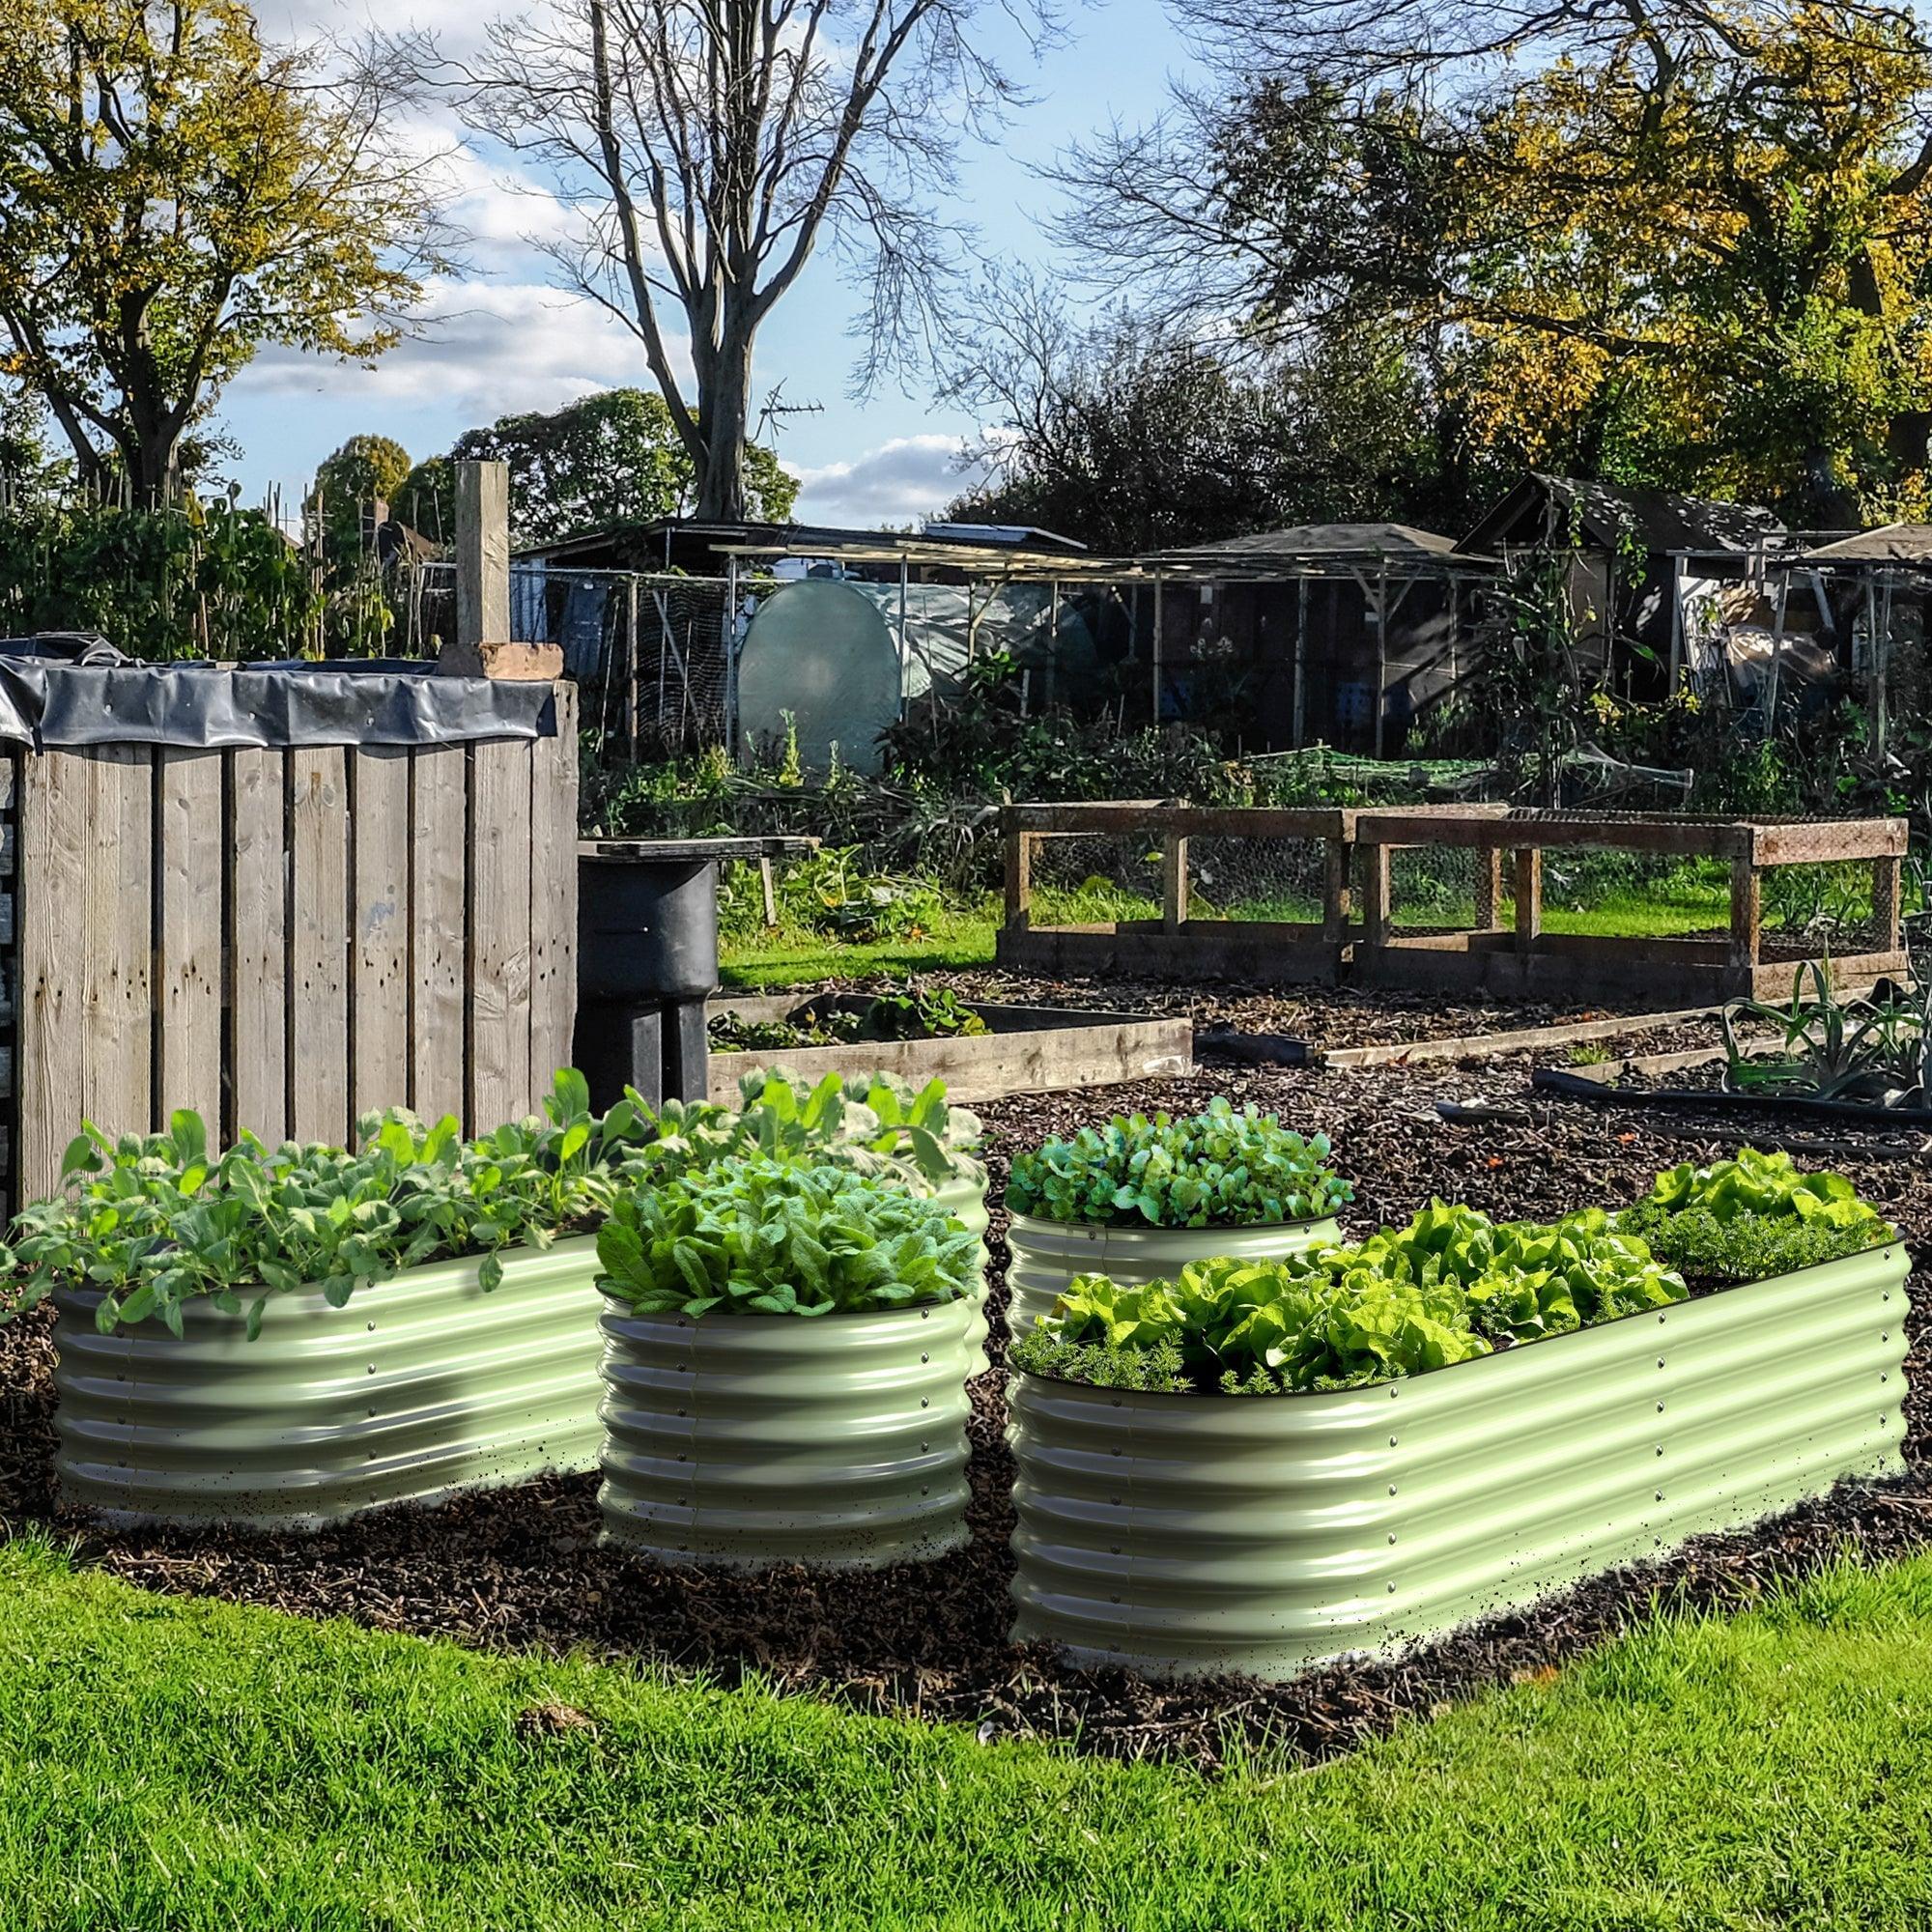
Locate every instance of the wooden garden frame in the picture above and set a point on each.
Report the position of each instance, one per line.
(1175, 944)
(1524, 961)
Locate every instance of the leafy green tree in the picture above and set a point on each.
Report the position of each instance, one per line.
(1665, 242)
(364, 471)
(173, 194)
(612, 458)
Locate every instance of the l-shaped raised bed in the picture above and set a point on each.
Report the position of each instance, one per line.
(1185, 1534)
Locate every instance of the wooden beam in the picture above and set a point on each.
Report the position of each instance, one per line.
(1490, 889)
(1528, 897)
(1887, 900)
(1174, 881)
(1019, 879)
(1375, 907)
(482, 552)
(1746, 913)
(1337, 895)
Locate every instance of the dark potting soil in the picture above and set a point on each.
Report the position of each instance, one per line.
(521, 1567)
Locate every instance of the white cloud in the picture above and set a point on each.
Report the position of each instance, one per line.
(906, 480)
(488, 350)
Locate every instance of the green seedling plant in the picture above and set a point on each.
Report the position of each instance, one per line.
(875, 1124)
(1755, 1216)
(1221, 1168)
(155, 1221)
(764, 1238)
(1451, 1286)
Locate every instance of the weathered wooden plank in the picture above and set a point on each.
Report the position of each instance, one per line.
(439, 831)
(1042, 1053)
(319, 943)
(53, 814)
(498, 984)
(1517, 1039)
(379, 949)
(1817, 841)
(1137, 818)
(189, 841)
(117, 1016)
(1481, 826)
(258, 942)
(554, 893)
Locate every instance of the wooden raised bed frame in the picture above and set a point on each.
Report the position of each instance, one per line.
(1524, 962)
(1030, 1050)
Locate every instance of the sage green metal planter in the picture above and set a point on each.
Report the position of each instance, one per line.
(1180, 1534)
(1047, 1255)
(964, 1197)
(420, 1384)
(757, 1439)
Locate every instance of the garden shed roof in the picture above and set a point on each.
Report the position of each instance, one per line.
(1606, 513)
(1889, 543)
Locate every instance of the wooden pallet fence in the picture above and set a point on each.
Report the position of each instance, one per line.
(284, 939)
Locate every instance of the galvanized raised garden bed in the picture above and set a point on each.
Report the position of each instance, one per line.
(755, 1440)
(1047, 1255)
(1183, 1534)
(421, 1384)
(1028, 1050)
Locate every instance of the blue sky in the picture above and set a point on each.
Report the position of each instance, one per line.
(503, 341)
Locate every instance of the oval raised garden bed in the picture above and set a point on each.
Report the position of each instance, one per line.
(1138, 1199)
(1047, 1256)
(755, 1439)
(788, 1351)
(1190, 1533)
(423, 1383)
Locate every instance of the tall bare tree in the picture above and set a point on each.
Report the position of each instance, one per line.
(713, 145)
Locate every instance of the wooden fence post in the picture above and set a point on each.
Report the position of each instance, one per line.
(1019, 878)
(1489, 888)
(482, 552)
(1887, 900)
(1528, 897)
(1172, 881)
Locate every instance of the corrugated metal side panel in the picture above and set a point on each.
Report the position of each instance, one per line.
(1046, 1254)
(759, 1439)
(420, 1385)
(965, 1198)
(1265, 1534)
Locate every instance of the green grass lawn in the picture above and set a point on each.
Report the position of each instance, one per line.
(189, 1765)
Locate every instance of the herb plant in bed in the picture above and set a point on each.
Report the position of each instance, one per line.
(1139, 1199)
(283, 1336)
(1259, 1466)
(787, 1351)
